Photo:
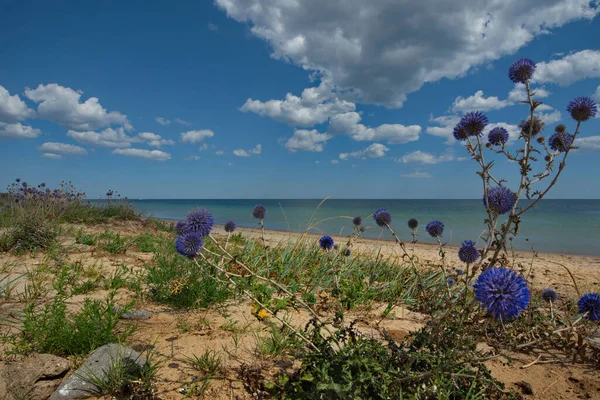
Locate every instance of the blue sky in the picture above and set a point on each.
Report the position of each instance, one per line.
(268, 99)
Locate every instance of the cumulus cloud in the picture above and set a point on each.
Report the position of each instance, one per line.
(315, 105)
(156, 155)
(597, 94)
(213, 27)
(52, 156)
(62, 105)
(569, 69)
(153, 139)
(196, 136)
(518, 93)
(348, 124)
(18, 131)
(590, 143)
(181, 122)
(204, 147)
(417, 175)
(219, 152)
(62, 149)
(109, 137)
(478, 102)
(12, 108)
(375, 150)
(335, 161)
(384, 61)
(550, 118)
(162, 121)
(247, 153)
(307, 140)
(421, 157)
(192, 158)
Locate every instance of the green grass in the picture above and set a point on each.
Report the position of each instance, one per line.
(97, 214)
(85, 238)
(113, 243)
(29, 235)
(146, 243)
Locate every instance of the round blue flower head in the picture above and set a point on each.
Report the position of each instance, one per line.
(451, 281)
(473, 123)
(189, 245)
(498, 136)
(536, 125)
(413, 223)
(259, 211)
(357, 221)
(502, 292)
(326, 242)
(181, 227)
(460, 272)
(200, 221)
(560, 141)
(521, 70)
(582, 108)
(229, 226)
(590, 304)
(382, 217)
(435, 228)
(500, 200)
(347, 252)
(459, 132)
(549, 295)
(468, 253)
(18, 180)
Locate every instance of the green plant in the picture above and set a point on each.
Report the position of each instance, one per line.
(85, 238)
(113, 243)
(208, 363)
(146, 243)
(29, 234)
(277, 342)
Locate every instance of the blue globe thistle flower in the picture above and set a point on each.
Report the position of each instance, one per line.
(468, 253)
(521, 70)
(460, 272)
(498, 136)
(200, 221)
(229, 226)
(435, 228)
(357, 221)
(18, 180)
(582, 108)
(326, 242)
(259, 211)
(382, 217)
(500, 200)
(560, 141)
(474, 123)
(189, 245)
(549, 295)
(590, 304)
(536, 125)
(347, 252)
(181, 227)
(413, 223)
(502, 292)
(451, 281)
(459, 132)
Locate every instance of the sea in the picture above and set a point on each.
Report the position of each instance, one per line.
(552, 226)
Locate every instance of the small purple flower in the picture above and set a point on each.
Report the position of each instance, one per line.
(413, 224)
(357, 221)
(189, 245)
(582, 108)
(474, 123)
(502, 292)
(382, 217)
(459, 272)
(459, 132)
(229, 226)
(468, 253)
(521, 70)
(560, 142)
(435, 228)
(347, 252)
(200, 221)
(181, 227)
(498, 136)
(259, 211)
(326, 242)
(590, 304)
(549, 295)
(451, 281)
(500, 200)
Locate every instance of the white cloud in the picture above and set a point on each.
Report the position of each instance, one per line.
(62, 149)
(317, 162)
(62, 105)
(196, 136)
(219, 152)
(213, 27)
(597, 94)
(109, 137)
(478, 102)
(156, 155)
(204, 147)
(248, 153)
(52, 156)
(386, 49)
(590, 143)
(230, 163)
(550, 118)
(421, 157)
(348, 124)
(18, 131)
(335, 161)
(375, 150)
(417, 175)
(569, 69)
(153, 139)
(181, 122)
(192, 158)
(162, 121)
(12, 108)
(446, 126)
(518, 93)
(305, 140)
(315, 105)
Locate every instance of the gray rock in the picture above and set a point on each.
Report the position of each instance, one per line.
(33, 378)
(134, 314)
(97, 367)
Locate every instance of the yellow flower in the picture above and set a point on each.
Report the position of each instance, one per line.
(262, 314)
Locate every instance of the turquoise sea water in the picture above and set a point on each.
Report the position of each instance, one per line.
(558, 226)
